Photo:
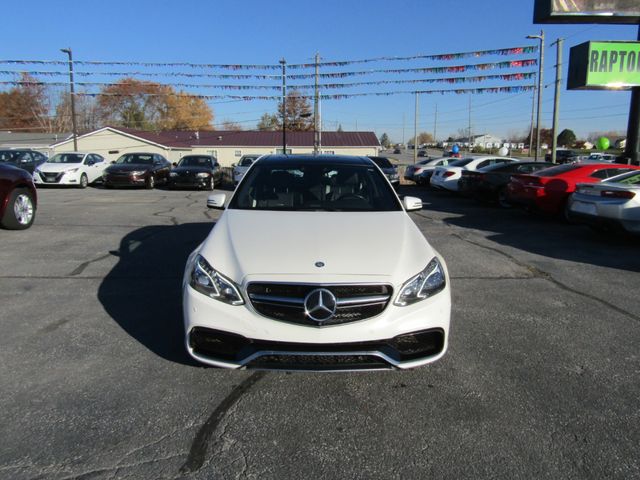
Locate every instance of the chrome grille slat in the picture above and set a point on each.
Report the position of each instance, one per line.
(286, 302)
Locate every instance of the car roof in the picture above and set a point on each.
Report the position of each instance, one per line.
(315, 159)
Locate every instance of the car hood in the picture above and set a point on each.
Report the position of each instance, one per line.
(134, 167)
(191, 169)
(286, 246)
(58, 167)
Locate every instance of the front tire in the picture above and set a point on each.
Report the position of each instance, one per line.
(20, 212)
(151, 183)
(503, 199)
(84, 181)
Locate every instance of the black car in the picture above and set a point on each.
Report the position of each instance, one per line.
(563, 156)
(490, 183)
(390, 170)
(23, 158)
(137, 169)
(196, 171)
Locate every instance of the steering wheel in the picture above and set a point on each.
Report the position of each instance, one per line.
(352, 196)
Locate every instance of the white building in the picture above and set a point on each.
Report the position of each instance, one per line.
(226, 146)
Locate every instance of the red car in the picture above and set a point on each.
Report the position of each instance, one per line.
(548, 190)
(18, 198)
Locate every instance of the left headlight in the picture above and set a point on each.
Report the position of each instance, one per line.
(72, 170)
(206, 280)
(424, 285)
(202, 175)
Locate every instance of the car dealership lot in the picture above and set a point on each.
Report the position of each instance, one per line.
(540, 380)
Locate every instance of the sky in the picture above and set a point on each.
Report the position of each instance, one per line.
(253, 32)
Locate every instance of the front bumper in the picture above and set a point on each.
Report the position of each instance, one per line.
(124, 180)
(188, 182)
(242, 338)
(56, 178)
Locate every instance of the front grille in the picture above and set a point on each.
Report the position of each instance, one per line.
(51, 177)
(285, 302)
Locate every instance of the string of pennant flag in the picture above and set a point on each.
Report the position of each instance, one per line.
(439, 57)
(458, 91)
(326, 86)
(529, 62)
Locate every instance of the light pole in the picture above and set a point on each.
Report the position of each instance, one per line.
(283, 62)
(540, 68)
(73, 99)
(556, 99)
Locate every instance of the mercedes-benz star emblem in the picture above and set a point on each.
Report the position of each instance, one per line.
(319, 264)
(320, 305)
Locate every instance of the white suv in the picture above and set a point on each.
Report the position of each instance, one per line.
(315, 265)
(70, 168)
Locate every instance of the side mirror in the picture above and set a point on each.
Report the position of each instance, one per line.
(216, 200)
(112, 162)
(233, 165)
(90, 163)
(412, 203)
(174, 164)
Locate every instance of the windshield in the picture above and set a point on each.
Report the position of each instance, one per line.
(195, 161)
(630, 178)
(8, 156)
(246, 161)
(313, 187)
(136, 158)
(559, 170)
(461, 163)
(66, 158)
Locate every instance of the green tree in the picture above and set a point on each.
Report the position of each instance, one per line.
(566, 138)
(384, 140)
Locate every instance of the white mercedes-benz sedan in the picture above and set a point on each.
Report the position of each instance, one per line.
(316, 265)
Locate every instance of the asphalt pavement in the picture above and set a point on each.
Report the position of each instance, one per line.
(540, 380)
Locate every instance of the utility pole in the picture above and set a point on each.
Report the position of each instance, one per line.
(283, 62)
(469, 123)
(415, 133)
(403, 120)
(73, 98)
(556, 99)
(540, 70)
(316, 111)
(435, 126)
(533, 110)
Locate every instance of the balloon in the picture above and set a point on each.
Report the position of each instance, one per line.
(455, 149)
(603, 143)
(503, 151)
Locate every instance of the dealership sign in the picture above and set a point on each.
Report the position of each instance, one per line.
(604, 66)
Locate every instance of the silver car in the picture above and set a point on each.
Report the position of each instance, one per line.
(242, 166)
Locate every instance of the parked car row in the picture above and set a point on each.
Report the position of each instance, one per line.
(141, 169)
(602, 195)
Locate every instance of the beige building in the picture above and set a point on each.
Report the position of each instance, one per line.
(226, 146)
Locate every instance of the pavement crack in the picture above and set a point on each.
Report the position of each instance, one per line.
(200, 443)
(81, 268)
(537, 273)
(162, 214)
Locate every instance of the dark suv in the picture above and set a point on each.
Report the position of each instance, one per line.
(23, 158)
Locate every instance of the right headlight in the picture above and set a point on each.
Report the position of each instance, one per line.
(427, 283)
(206, 280)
